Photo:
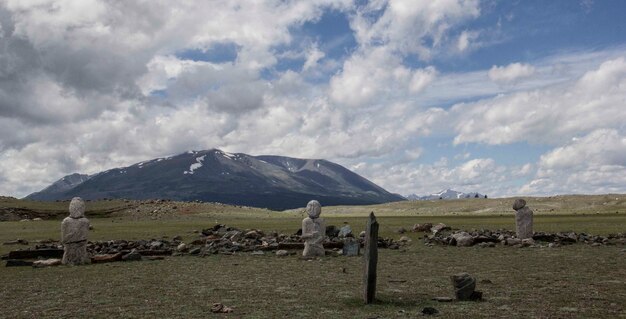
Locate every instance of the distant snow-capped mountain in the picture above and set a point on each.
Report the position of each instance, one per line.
(274, 182)
(445, 194)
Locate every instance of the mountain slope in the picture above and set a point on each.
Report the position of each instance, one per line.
(274, 182)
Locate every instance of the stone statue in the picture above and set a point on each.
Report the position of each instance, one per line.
(523, 219)
(313, 230)
(74, 231)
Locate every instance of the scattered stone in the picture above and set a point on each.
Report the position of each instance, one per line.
(464, 287)
(18, 263)
(362, 234)
(194, 251)
(439, 227)
(220, 308)
(523, 219)
(463, 239)
(106, 258)
(258, 252)
(527, 242)
(133, 255)
(443, 299)
(74, 231)
(345, 231)
(312, 230)
(182, 247)
(404, 239)
(282, 253)
(36, 219)
(401, 230)
(16, 242)
(428, 311)
(422, 227)
(331, 231)
(46, 263)
(513, 241)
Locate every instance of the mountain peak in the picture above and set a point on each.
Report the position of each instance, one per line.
(270, 181)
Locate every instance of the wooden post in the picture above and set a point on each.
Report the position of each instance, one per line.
(371, 259)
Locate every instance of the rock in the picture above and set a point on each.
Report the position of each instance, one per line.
(258, 253)
(464, 287)
(282, 252)
(422, 227)
(106, 258)
(47, 263)
(553, 245)
(133, 255)
(362, 234)
(519, 204)
(526, 242)
(16, 242)
(513, 241)
(331, 231)
(443, 299)
(177, 238)
(428, 311)
(401, 230)
(439, 227)
(220, 308)
(36, 219)
(156, 245)
(194, 251)
(345, 231)
(18, 263)
(463, 239)
(182, 247)
(404, 239)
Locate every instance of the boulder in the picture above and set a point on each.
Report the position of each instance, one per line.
(463, 239)
(439, 227)
(133, 255)
(106, 258)
(422, 227)
(282, 252)
(46, 263)
(464, 287)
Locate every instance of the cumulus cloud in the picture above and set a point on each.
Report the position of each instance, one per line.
(510, 73)
(551, 115)
(594, 163)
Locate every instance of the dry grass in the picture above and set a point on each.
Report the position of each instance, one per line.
(576, 281)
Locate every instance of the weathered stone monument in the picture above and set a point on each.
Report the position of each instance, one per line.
(523, 219)
(351, 247)
(371, 259)
(74, 231)
(313, 230)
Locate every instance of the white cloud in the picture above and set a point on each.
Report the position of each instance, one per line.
(510, 73)
(595, 163)
(551, 115)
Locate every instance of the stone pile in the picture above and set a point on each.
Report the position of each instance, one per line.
(488, 238)
(219, 239)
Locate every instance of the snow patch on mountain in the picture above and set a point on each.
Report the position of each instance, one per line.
(195, 165)
(446, 194)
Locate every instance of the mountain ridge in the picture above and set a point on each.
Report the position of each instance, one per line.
(446, 194)
(270, 181)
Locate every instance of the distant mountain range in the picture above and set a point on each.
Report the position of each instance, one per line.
(274, 182)
(445, 194)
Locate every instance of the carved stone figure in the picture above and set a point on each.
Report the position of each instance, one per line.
(313, 230)
(74, 231)
(523, 219)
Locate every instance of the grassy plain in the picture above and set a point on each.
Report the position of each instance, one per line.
(575, 281)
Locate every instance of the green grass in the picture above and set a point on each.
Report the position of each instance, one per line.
(577, 281)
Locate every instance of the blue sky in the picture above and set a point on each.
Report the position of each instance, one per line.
(500, 97)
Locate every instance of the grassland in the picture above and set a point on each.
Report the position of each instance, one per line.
(577, 281)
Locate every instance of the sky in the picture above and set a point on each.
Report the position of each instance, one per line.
(505, 98)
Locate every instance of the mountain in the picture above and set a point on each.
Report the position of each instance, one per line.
(445, 194)
(274, 182)
(57, 188)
